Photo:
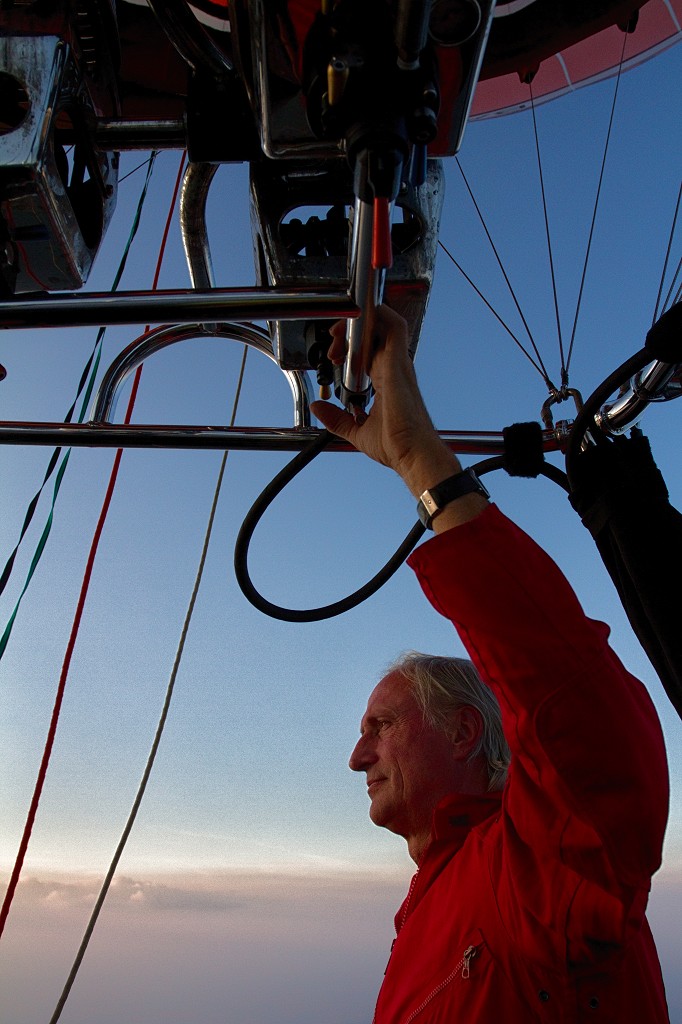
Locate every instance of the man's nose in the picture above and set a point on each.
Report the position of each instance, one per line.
(363, 755)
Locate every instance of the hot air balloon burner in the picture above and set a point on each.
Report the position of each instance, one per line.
(57, 191)
(309, 228)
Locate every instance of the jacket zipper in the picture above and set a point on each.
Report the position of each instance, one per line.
(413, 882)
(464, 966)
(408, 898)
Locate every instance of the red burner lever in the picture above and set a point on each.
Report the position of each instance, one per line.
(382, 250)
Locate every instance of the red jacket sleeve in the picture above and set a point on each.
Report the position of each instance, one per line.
(588, 784)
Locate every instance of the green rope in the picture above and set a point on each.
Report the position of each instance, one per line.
(87, 382)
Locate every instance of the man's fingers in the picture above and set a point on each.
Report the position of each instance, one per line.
(337, 349)
(390, 329)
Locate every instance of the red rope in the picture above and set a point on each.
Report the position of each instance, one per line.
(85, 585)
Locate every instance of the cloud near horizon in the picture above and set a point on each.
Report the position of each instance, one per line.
(252, 948)
(59, 894)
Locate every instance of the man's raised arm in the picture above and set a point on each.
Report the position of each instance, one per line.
(398, 431)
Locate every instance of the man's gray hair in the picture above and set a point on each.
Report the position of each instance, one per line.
(440, 686)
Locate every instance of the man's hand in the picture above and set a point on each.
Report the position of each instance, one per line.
(398, 431)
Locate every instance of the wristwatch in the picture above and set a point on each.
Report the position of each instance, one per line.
(434, 500)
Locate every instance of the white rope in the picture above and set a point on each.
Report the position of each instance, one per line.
(160, 727)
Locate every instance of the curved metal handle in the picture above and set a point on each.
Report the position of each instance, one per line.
(153, 341)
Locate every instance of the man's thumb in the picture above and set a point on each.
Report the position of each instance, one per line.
(335, 419)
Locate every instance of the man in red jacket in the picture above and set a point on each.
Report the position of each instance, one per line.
(529, 899)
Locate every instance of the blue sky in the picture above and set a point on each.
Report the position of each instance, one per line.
(253, 875)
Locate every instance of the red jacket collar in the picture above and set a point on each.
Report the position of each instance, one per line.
(453, 820)
(456, 815)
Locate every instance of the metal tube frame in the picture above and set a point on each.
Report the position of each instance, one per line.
(649, 385)
(209, 305)
(196, 184)
(220, 438)
(116, 134)
(100, 432)
(154, 341)
(183, 306)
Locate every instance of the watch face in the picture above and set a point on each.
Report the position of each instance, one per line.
(430, 503)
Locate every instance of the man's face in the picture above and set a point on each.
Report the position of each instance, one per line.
(410, 765)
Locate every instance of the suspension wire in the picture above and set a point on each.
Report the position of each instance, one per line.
(538, 366)
(596, 204)
(665, 262)
(136, 169)
(501, 266)
(161, 723)
(671, 299)
(87, 382)
(564, 378)
(52, 730)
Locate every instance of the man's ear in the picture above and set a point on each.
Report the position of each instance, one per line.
(466, 729)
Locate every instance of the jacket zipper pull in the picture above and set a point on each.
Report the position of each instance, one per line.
(469, 954)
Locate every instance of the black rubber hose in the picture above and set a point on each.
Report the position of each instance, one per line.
(252, 519)
(278, 483)
(553, 473)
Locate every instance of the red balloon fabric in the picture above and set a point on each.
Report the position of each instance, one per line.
(562, 70)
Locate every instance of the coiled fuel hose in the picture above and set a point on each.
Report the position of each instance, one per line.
(276, 485)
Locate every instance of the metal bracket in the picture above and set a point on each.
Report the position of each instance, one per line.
(562, 428)
(53, 216)
(658, 382)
